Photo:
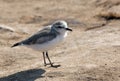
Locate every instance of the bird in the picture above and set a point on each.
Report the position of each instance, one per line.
(46, 39)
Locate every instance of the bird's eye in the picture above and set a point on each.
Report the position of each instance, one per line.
(59, 27)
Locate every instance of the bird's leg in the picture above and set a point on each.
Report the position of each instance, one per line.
(49, 58)
(44, 59)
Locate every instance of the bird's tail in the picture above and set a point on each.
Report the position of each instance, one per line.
(16, 44)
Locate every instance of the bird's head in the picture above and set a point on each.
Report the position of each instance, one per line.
(60, 26)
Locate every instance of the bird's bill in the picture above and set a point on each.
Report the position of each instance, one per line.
(68, 29)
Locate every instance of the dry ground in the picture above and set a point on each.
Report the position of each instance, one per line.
(90, 53)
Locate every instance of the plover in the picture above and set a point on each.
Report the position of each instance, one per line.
(46, 39)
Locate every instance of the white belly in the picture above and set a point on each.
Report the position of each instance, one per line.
(48, 45)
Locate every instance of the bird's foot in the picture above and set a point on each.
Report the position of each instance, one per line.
(54, 66)
(48, 64)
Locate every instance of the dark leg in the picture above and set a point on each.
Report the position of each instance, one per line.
(49, 59)
(44, 58)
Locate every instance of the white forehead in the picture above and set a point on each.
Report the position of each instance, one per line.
(62, 23)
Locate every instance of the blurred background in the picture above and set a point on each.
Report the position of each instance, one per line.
(90, 53)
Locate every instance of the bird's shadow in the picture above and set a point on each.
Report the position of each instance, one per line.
(28, 75)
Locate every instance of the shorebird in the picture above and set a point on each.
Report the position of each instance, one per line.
(46, 39)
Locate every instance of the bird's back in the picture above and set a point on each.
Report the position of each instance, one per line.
(40, 37)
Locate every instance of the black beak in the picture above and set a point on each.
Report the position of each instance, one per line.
(68, 29)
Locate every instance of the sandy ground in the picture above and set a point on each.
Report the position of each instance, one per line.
(90, 53)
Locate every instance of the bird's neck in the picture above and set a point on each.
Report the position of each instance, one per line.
(63, 34)
(54, 31)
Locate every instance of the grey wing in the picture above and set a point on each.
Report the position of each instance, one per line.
(41, 37)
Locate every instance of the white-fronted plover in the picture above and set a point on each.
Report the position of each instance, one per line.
(46, 39)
